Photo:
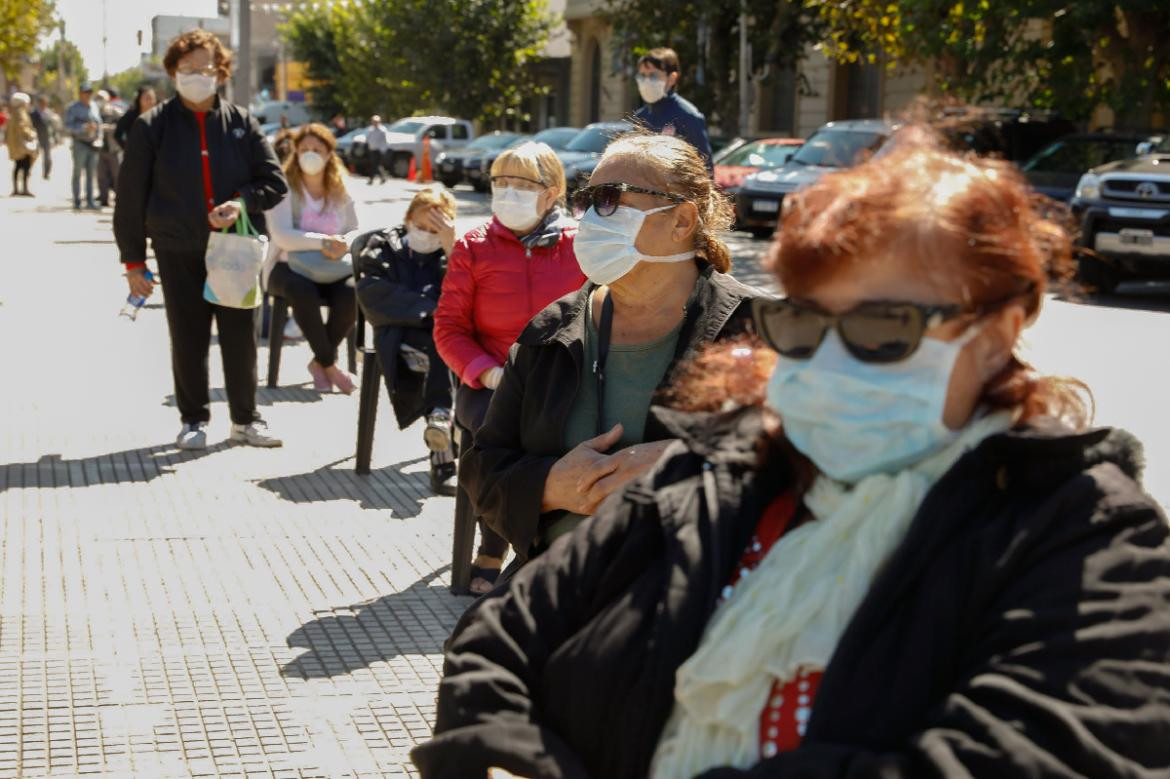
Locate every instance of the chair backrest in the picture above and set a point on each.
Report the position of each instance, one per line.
(355, 248)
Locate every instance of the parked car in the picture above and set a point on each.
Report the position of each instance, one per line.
(271, 112)
(581, 155)
(478, 169)
(752, 157)
(1055, 170)
(404, 140)
(1124, 213)
(835, 145)
(449, 165)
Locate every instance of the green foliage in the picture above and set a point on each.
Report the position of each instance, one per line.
(1070, 57)
(128, 81)
(52, 58)
(402, 56)
(22, 23)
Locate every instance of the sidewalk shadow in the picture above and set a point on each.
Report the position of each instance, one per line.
(354, 637)
(125, 467)
(385, 488)
(290, 393)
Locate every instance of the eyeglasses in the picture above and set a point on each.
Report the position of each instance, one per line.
(516, 182)
(210, 70)
(876, 332)
(605, 198)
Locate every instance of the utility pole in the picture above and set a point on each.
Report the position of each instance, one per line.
(63, 69)
(105, 48)
(743, 71)
(243, 91)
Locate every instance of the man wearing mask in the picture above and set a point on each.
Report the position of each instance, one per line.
(377, 144)
(84, 125)
(110, 155)
(44, 122)
(665, 112)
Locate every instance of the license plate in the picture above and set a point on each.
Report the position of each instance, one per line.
(1136, 237)
(766, 206)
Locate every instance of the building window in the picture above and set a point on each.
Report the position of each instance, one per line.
(782, 116)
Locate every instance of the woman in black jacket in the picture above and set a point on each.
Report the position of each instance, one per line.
(144, 100)
(932, 569)
(400, 276)
(187, 166)
(549, 450)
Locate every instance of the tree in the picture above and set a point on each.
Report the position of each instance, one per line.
(705, 33)
(59, 60)
(1071, 57)
(22, 24)
(127, 82)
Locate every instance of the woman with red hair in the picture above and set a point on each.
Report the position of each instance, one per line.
(890, 550)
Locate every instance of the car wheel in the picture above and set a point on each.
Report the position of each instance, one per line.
(450, 182)
(762, 232)
(1100, 277)
(400, 166)
(480, 187)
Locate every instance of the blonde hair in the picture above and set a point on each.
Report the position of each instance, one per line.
(676, 167)
(334, 182)
(432, 197)
(536, 161)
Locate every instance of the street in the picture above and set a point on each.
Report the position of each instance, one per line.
(240, 611)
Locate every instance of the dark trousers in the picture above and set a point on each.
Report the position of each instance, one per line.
(306, 297)
(46, 159)
(471, 407)
(107, 174)
(20, 169)
(189, 321)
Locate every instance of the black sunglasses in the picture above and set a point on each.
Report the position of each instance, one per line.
(879, 332)
(605, 198)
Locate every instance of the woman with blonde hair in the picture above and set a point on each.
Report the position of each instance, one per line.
(499, 276)
(21, 137)
(309, 265)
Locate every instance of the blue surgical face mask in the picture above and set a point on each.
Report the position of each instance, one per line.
(605, 244)
(854, 419)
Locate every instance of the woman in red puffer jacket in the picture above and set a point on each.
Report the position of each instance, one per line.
(499, 276)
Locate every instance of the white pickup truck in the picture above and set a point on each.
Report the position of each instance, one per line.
(405, 140)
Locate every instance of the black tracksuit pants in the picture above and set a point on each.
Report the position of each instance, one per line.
(189, 320)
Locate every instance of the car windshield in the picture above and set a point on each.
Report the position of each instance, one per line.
(1076, 155)
(838, 148)
(557, 137)
(501, 141)
(761, 155)
(1163, 146)
(407, 126)
(592, 139)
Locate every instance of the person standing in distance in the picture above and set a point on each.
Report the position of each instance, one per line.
(84, 124)
(665, 112)
(377, 144)
(44, 122)
(188, 165)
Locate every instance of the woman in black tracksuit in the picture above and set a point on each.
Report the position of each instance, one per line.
(187, 163)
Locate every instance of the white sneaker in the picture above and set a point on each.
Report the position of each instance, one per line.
(255, 434)
(192, 436)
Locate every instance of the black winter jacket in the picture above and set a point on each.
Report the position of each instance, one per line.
(1021, 628)
(160, 183)
(523, 435)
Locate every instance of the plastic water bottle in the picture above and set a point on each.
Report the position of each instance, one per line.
(134, 303)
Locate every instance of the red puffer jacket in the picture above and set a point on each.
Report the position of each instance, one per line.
(494, 285)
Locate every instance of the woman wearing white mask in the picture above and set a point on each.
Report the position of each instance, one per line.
(927, 565)
(570, 423)
(188, 165)
(317, 218)
(499, 276)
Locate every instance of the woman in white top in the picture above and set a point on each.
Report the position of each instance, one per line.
(318, 217)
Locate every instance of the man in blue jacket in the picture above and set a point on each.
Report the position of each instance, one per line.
(665, 112)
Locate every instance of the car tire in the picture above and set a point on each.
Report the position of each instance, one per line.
(762, 232)
(1100, 277)
(400, 165)
(481, 187)
(449, 182)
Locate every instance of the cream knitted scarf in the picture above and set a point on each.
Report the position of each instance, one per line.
(791, 611)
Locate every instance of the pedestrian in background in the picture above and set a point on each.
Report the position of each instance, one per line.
(665, 111)
(144, 100)
(499, 276)
(376, 145)
(84, 125)
(337, 125)
(110, 154)
(189, 164)
(21, 137)
(402, 270)
(318, 216)
(45, 123)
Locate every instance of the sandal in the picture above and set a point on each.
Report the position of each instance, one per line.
(487, 575)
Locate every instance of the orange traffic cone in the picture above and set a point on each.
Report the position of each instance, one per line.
(425, 171)
(410, 172)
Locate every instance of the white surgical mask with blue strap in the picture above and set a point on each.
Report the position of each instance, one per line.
(854, 419)
(605, 244)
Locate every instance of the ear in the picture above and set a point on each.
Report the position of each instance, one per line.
(999, 339)
(686, 221)
(548, 199)
(672, 80)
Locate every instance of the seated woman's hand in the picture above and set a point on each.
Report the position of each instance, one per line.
(560, 488)
(491, 377)
(436, 220)
(614, 471)
(334, 247)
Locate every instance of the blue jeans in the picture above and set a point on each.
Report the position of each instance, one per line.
(84, 157)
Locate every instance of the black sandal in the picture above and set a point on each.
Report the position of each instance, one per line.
(489, 575)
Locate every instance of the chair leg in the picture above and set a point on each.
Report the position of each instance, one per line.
(351, 348)
(367, 410)
(277, 319)
(463, 546)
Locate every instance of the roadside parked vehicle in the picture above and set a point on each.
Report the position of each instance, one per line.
(449, 165)
(295, 113)
(752, 157)
(1055, 170)
(581, 155)
(1124, 212)
(477, 169)
(405, 137)
(835, 145)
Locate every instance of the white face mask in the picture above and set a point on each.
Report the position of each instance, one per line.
(421, 241)
(311, 162)
(605, 244)
(516, 208)
(651, 89)
(195, 86)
